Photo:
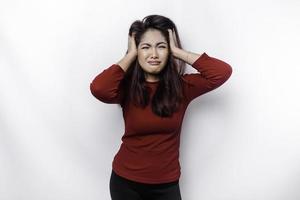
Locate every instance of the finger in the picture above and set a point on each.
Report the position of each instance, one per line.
(171, 36)
(170, 33)
(174, 38)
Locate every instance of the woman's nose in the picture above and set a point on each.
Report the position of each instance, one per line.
(154, 53)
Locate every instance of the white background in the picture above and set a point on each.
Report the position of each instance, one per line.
(57, 142)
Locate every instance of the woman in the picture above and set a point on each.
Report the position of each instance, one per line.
(150, 85)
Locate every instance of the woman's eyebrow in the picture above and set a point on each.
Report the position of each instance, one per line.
(156, 44)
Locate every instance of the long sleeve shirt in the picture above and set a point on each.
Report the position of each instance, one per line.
(149, 152)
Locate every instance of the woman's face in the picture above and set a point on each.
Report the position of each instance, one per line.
(153, 47)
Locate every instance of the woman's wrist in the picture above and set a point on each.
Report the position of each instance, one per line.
(126, 61)
(186, 56)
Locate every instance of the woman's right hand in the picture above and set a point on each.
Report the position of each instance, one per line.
(131, 54)
(132, 48)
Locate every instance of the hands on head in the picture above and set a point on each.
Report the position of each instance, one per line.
(173, 41)
(132, 48)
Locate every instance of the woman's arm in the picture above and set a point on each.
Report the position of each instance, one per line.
(186, 56)
(125, 62)
(106, 85)
(213, 73)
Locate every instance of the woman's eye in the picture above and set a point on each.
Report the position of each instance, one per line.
(159, 47)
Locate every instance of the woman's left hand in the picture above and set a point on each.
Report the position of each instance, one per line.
(173, 41)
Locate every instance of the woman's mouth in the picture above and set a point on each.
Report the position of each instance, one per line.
(153, 63)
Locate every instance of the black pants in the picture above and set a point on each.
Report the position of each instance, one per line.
(124, 189)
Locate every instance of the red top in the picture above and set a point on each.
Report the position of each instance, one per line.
(149, 152)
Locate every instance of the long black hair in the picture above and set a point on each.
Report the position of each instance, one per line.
(169, 92)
